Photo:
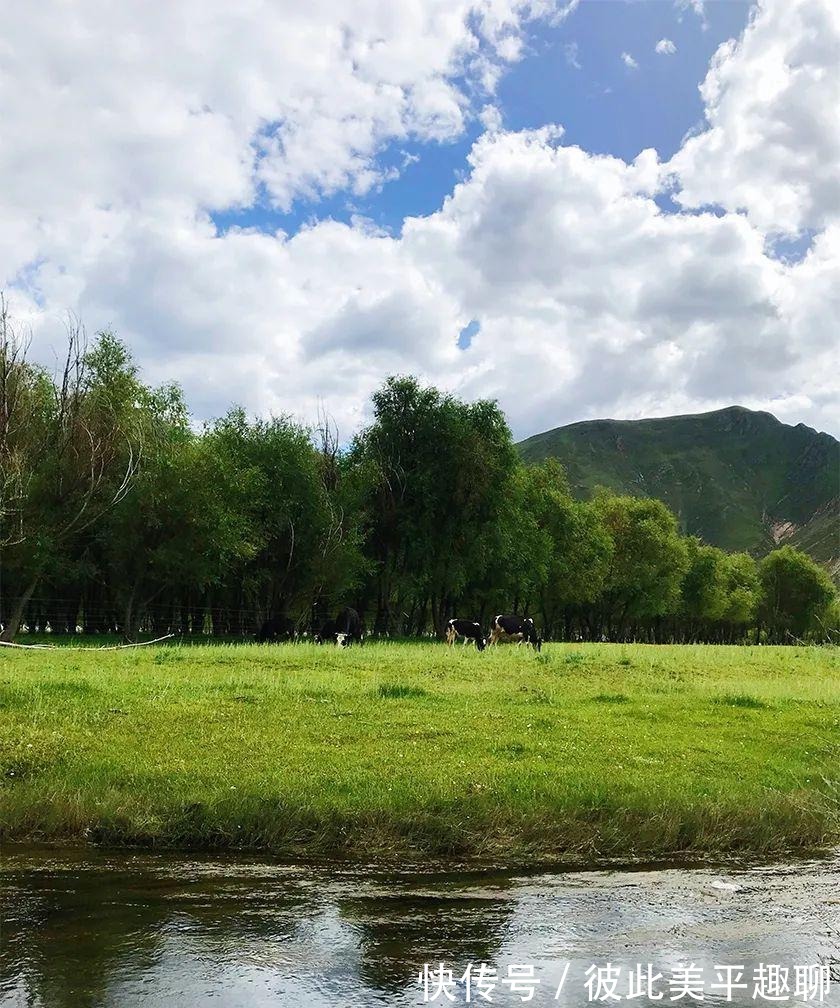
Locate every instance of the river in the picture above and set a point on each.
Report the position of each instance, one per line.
(89, 929)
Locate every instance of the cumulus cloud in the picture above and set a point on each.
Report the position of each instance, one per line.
(206, 102)
(628, 61)
(611, 305)
(665, 47)
(772, 146)
(563, 261)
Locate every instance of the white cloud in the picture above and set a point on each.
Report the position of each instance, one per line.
(772, 146)
(628, 61)
(572, 53)
(202, 101)
(491, 118)
(605, 304)
(697, 6)
(608, 305)
(665, 47)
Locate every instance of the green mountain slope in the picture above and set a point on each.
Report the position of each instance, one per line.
(735, 477)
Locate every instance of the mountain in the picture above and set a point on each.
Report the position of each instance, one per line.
(735, 477)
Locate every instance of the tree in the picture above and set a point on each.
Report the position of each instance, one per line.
(114, 506)
(284, 499)
(340, 564)
(648, 560)
(576, 547)
(69, 450)
(21, 386)
(797, 594)
(743, 590)
(705, 594)
(181, 525)
(517, 566)
(441, 469)
(831, 624)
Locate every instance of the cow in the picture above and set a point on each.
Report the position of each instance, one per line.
(348, 627)
(277, 628)
(326, 633)
(467, 629)
(515, 628)
(344, 630)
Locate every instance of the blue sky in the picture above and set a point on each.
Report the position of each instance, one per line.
(571, 74)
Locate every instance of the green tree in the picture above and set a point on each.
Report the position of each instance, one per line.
(705, 587)
(285, 502)
(797, 594)
(441, 469)
(831, 631)
(648, 560)
(181, 526)
(340, 564)
(518, 566)
(743, 590)
(575, 548)
(70, 447)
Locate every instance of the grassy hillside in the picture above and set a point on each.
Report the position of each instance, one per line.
(397, 750)
(737, 478)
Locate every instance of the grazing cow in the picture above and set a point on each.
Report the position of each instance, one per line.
(348, 627)
(343, 630)
(470, 631)
(279, 628)
(515, 628)
(326, 633)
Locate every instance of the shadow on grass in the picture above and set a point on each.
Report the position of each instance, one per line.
(613, 698)
(740, 700)
(398, 691)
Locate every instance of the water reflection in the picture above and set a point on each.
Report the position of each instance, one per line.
(398, 931)
(88, 931)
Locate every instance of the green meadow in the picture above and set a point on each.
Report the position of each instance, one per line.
(406, 751)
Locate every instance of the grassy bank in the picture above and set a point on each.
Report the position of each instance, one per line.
(393, 750)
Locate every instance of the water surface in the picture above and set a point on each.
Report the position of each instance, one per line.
(84, 930)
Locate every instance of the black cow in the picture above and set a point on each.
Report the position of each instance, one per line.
(470, 631)
(344, 630)
(278, 628)
(326, 633)
(518, 628)
(348, 628)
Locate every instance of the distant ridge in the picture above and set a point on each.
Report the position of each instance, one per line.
(735, 477)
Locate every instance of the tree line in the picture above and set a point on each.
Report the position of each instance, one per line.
(118, 515)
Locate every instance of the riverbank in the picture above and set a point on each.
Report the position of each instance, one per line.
(585, 752)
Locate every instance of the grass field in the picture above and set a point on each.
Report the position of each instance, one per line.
(403, 750)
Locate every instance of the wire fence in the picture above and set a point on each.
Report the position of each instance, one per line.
(75, 615)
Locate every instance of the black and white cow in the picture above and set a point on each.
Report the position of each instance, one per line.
(325, 634)
(348, 628)
(344, 630)
(470, 631)
(515, 628)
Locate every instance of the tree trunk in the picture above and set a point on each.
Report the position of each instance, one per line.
(420, 625)
(16, 615)
(130, 617)
(435, 607)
